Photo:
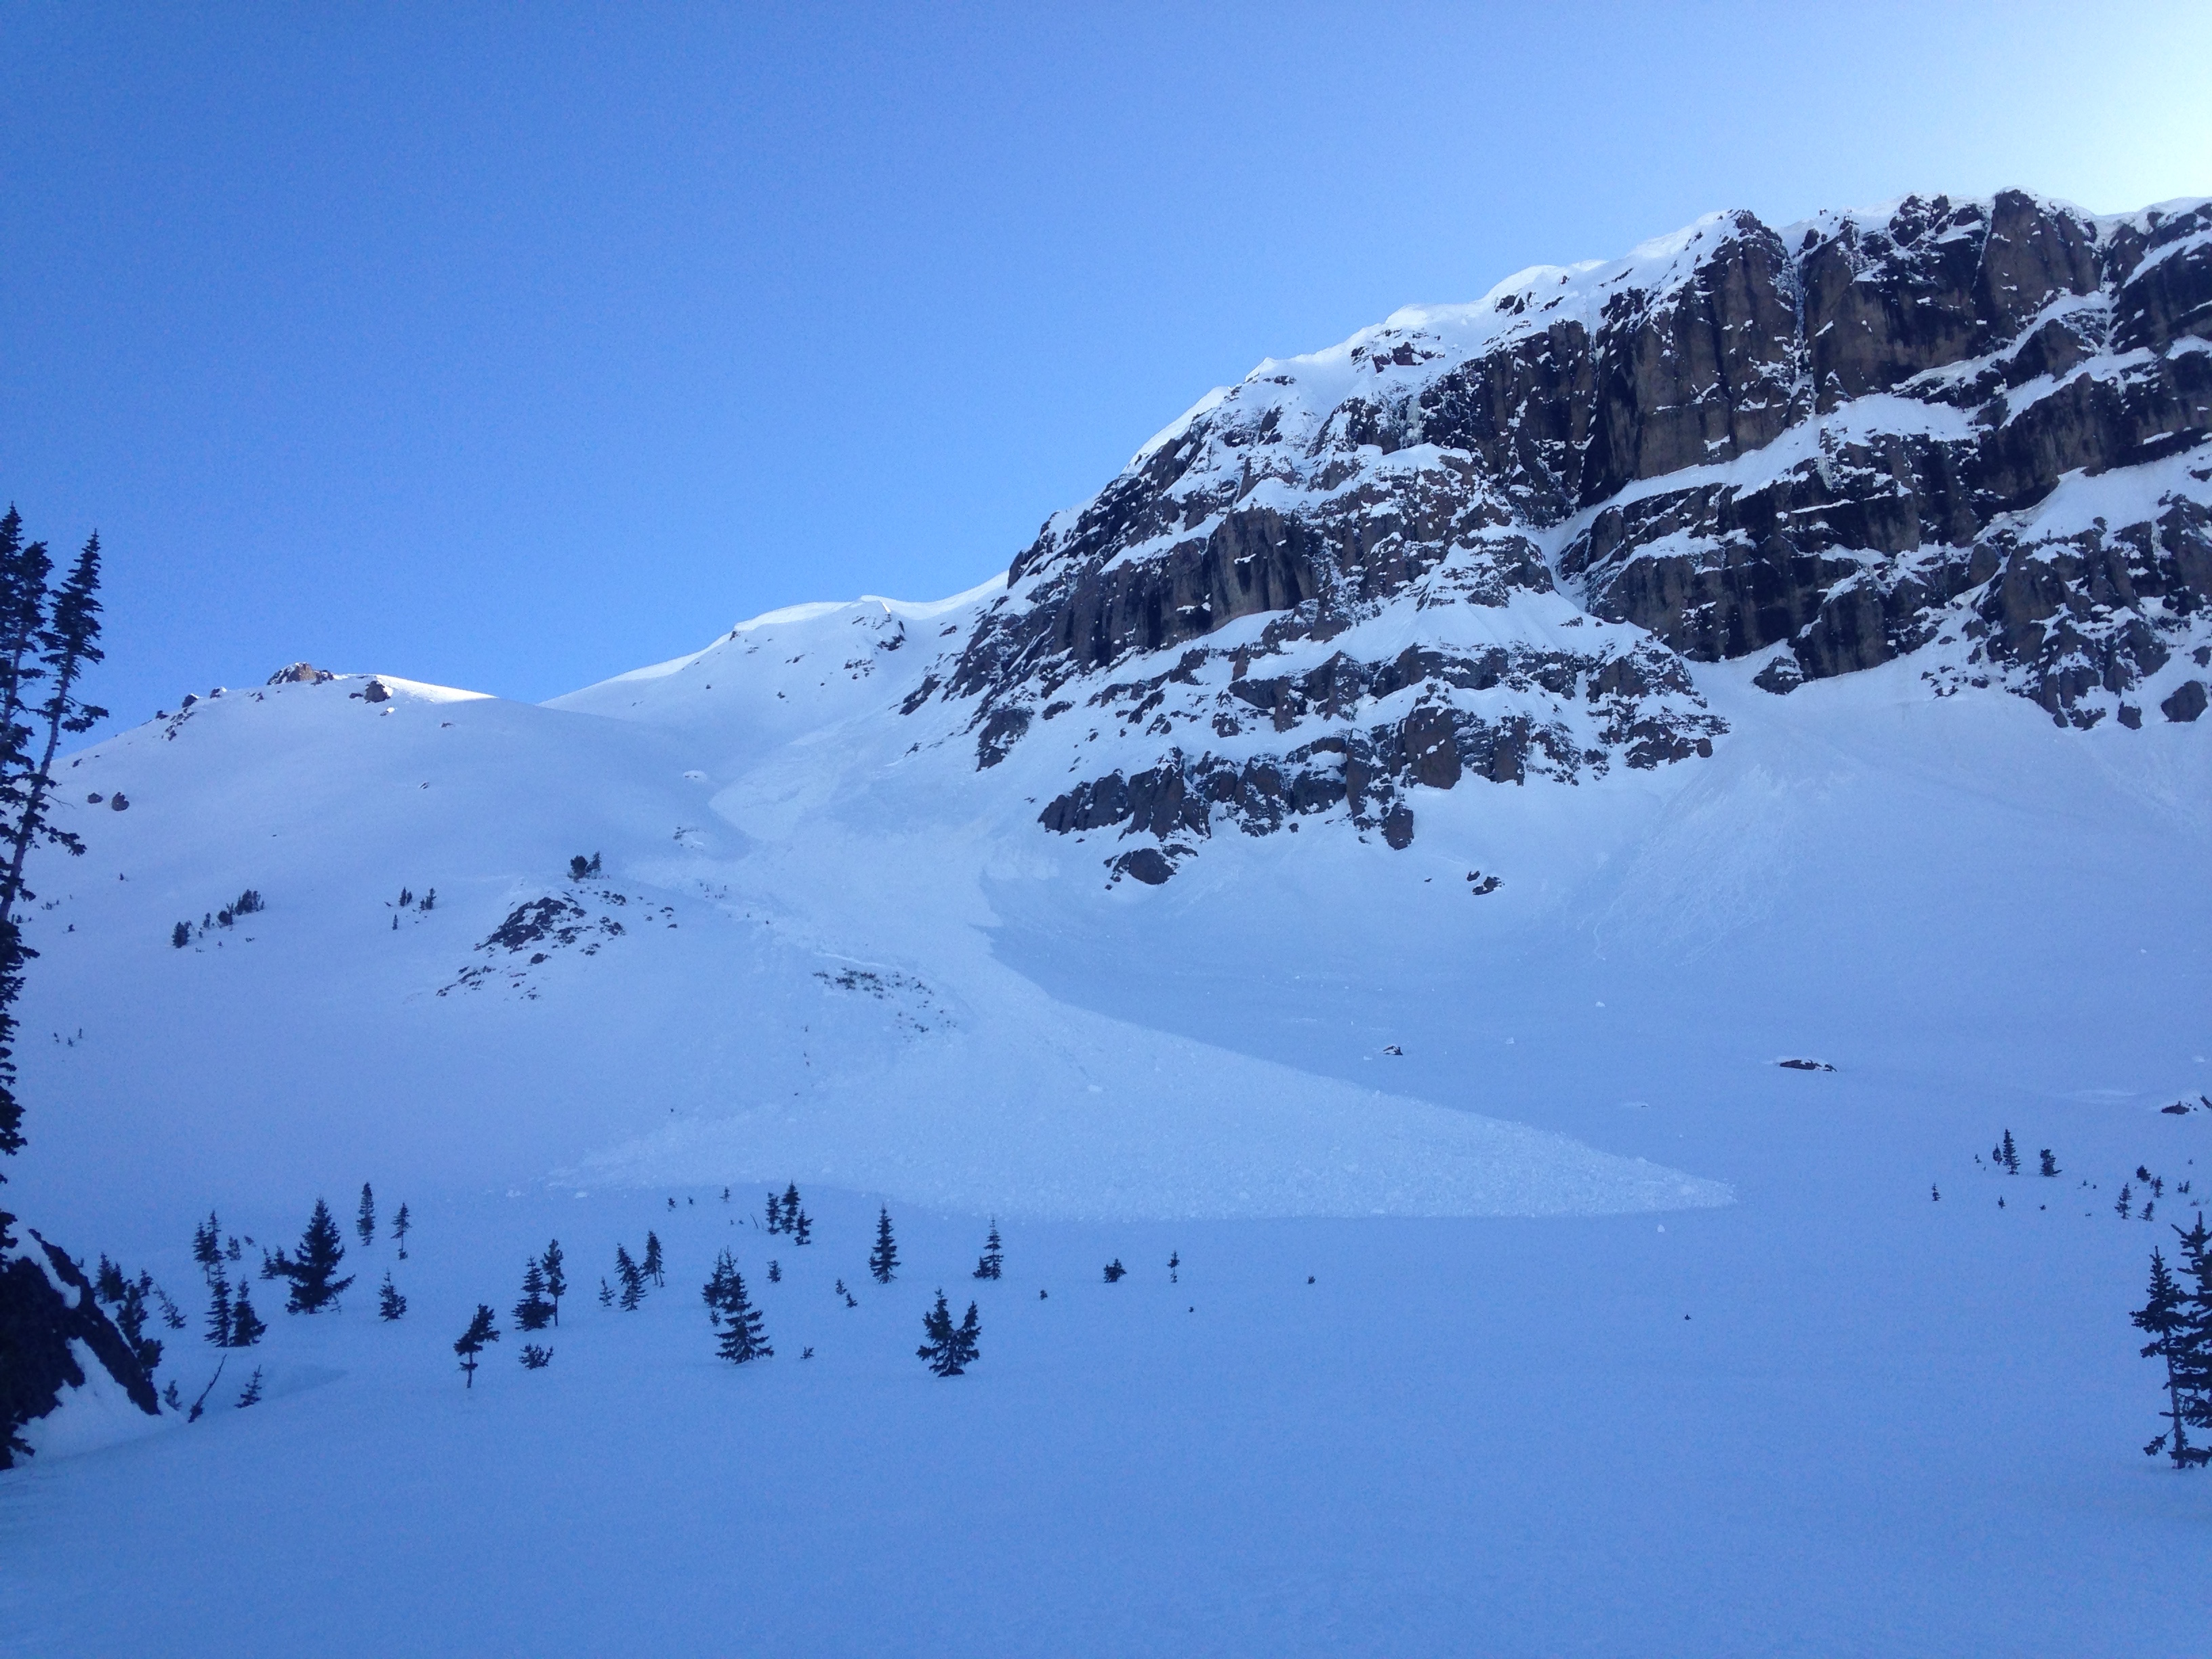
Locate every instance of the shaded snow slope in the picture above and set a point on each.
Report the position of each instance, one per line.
(781, 969)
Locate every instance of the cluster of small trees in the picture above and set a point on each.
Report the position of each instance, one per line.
(784, 1215)
(246, 904)
(311, 1273)
(428, 902)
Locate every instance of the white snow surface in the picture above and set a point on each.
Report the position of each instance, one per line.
(1622, 1338)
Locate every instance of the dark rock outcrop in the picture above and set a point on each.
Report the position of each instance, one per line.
(40, 1321)
(1834, 445)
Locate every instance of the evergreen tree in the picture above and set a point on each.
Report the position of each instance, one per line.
(651, 1267)
(2050, 1163)
(775, 1271)
(742, 1339)
(533, 1312)
(791, 1207)
(250, 1395)
(632, 1277)
(775, 1213)
(2125, 1198)
(948, 1350)
(364, 1221)
(181, 935)
(991, 1263)
(310, 1273)
(802, 1230)
(390, 1304)
(218, 1324)
(1115, 1271)
(246, 1325)
(482, 1329)
(49, 637)
(2165, 1318)
(534, 1358)
(207, 1244)
(129, 1301)
(2007, 1154)
(1175, 1263)
(883, 1260)
(556, 1282)
(606, 1294)
(400, 1226)
(2192, 1343)
(716, 1291)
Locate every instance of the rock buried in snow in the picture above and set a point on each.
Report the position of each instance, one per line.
(1805, 1065)
(1147, 864)
(376, 691)
(301, 673)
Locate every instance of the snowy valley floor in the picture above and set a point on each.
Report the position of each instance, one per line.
(1836, 1418)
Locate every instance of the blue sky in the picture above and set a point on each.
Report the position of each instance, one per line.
(513, 347)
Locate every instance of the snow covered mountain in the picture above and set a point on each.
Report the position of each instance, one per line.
(1437, 781)
(1965, 432)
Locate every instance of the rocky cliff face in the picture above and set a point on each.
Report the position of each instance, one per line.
(47, 1314)
(1490, 540)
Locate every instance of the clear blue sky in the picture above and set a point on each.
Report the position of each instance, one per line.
(513, 347)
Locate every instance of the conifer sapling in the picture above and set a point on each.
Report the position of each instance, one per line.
(948, 1350)
(390, 1304)
(883, 1260)
(246, 1325)
(991, 1263)
(218, 1324)
(364, 1219)
(533, 1312)
(556, 1282)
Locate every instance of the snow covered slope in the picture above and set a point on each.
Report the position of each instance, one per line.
(1433, 787)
